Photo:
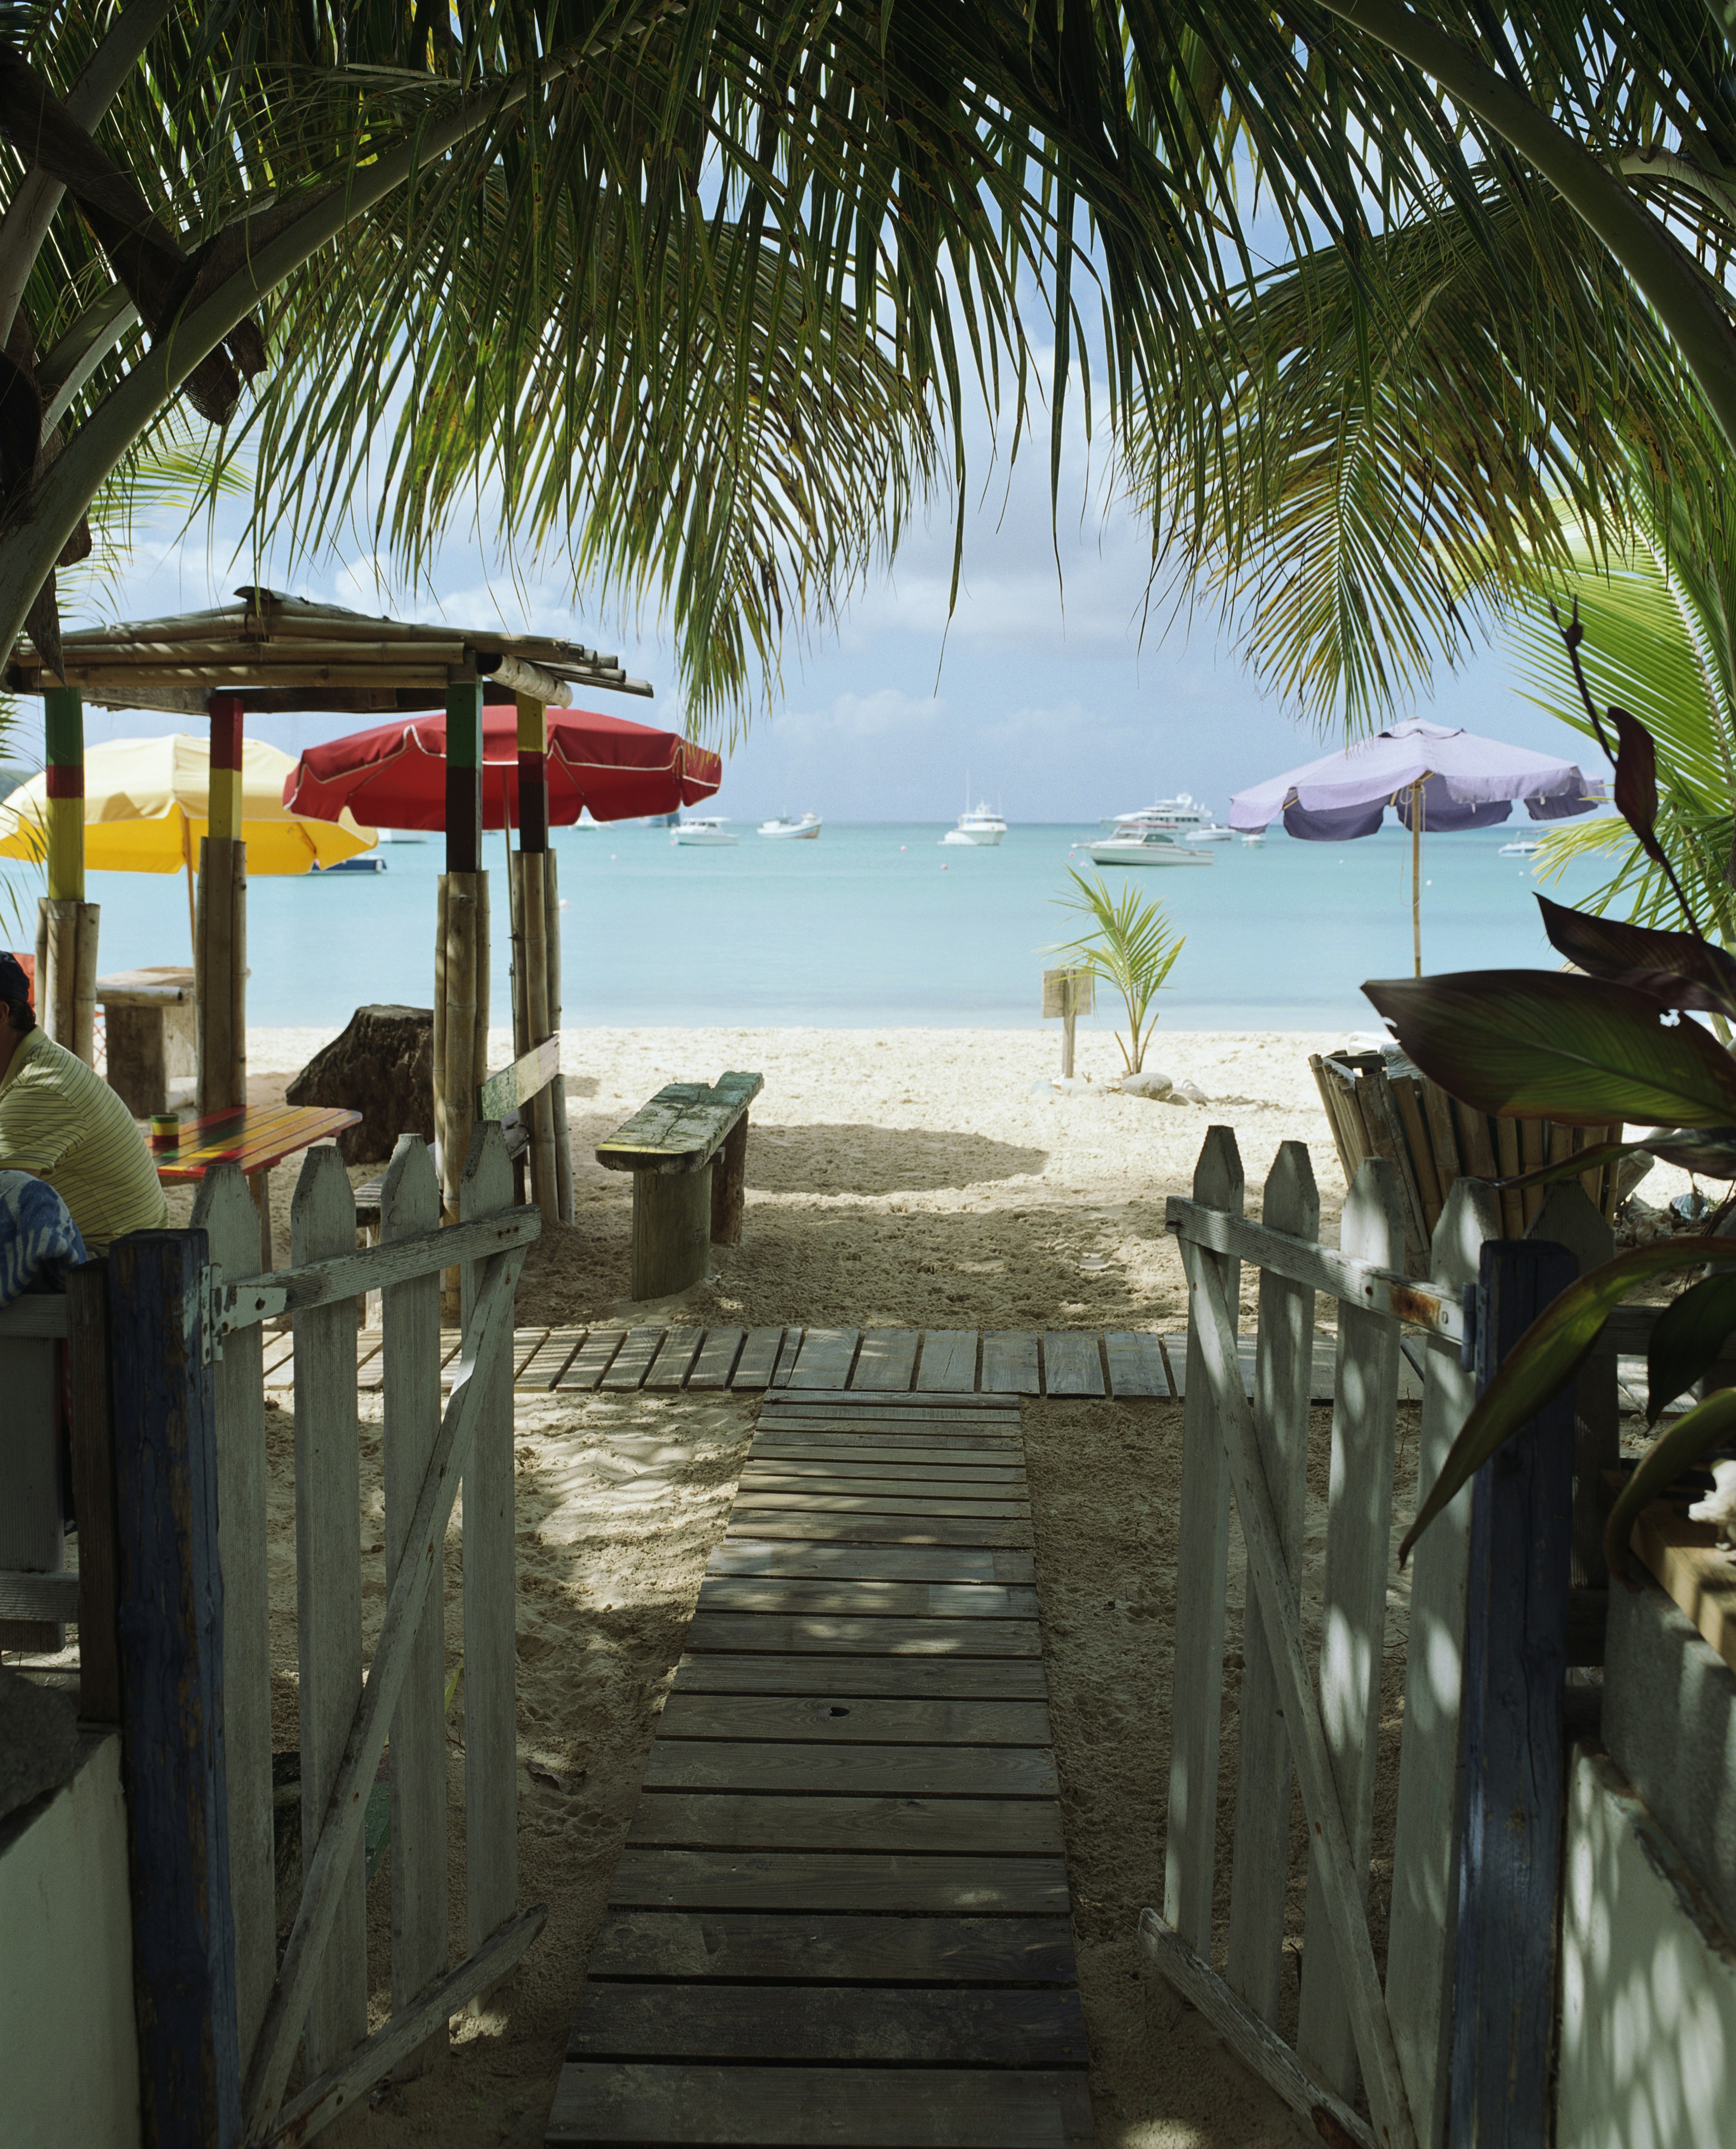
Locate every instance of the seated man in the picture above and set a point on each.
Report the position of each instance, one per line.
(60, 1121)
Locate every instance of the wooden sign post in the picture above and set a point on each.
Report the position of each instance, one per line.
(1069, 993)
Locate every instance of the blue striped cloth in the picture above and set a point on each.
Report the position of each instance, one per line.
(38, 1239)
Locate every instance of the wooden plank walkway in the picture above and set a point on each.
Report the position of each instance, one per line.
(842, 1912)
(940, 1361)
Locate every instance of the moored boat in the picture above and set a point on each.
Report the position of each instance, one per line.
(980, 827)
(1183, 816)
(1149, 847)
(709, 829)
(803, 831)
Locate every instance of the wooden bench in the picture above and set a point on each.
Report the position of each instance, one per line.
(688, 1151)
(149, 1020)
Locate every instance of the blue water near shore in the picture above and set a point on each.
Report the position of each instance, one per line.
(872, 926)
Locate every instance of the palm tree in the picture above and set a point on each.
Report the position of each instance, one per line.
(705, 288)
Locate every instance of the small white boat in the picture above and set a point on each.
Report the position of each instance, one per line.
(1527, 847)
(363, 862)
(1149, 847)
(712, 829)
(1182, 816)
(1255, 841)
(803, 831)
(979, 827)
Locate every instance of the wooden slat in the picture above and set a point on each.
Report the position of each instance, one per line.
(933, 1678)
(733, 1820)
(784, 1633)
(881, 1529)
(786, 1426)
(758, 1361)
(1009, 1363)
(740, 1555)
(886, 1359)
(1353, 1605)
(1135, 1363)
(675, 1358)
(518, 1084)
(551, 1360)
(789, 1351)
(1689, 1561)
(850, 1402)
(409, 1203)
(891, 1884)
(883, 1450)
(1071, 1365)
(593, 1359)
(329, 1586)
(710, 2021)
(824, 1950)
(932, 1600)
(600, 2100)
(903, 1772)
(717, 1358)
(765, 1466)
(902, 1500)
(1201, 1579)
(632, 1362)
(771, 1718)
(825, 1358)
(948, 1361)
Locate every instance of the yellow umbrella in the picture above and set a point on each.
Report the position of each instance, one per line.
(144, 811)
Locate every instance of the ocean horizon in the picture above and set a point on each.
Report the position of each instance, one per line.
(876, 925)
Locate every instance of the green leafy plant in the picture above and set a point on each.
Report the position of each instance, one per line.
(1132, 948)
(1616, 1041)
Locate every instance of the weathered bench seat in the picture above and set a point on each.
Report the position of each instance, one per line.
(687, 1151)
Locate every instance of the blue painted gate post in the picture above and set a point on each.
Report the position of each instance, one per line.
(1515, 1675)
(169, 1621)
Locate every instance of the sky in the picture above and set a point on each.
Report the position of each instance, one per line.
(1051, 694)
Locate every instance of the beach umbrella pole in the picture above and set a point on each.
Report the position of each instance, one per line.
(66, 935)
(1417, 878)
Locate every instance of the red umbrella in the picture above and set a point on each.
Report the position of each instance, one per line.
(395, 776)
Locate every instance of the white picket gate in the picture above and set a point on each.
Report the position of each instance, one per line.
(320, 1992)
(1318, 1718)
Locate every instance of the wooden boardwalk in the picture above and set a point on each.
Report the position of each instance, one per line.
(1058, 1361)
(842, 1912)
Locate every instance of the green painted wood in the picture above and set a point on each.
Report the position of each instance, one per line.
(518, 1084)
(592, 1359)
(683, 1127)
(829, 1949)
(675, 1358)
(881, 1529)
(860, 2025)
(886, 1360)
(871, 1562)
(1136, 1363)
(1009, 1363)
(892, 1677)
(1071, 1364)
(806, 1719)
(632, 1362)
(825, 1358)
(842, 1633)
(931, 1600)
(617, 2102)
(718, 1358)
(758, 1361)
(900, 1772)
(890, 1883)
(948, 1361)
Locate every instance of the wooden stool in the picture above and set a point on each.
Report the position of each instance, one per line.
(687, 1151)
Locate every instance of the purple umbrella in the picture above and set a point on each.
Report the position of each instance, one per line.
(1433, 776)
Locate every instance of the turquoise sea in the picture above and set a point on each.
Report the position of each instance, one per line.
(873, 925)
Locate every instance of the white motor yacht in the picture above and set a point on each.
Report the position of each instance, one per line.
(1182, 816)
(803, 831)
(1147, 846)
(708, 828)
(978, 827)
(1527, 847)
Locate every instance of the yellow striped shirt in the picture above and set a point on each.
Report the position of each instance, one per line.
(60, 1119)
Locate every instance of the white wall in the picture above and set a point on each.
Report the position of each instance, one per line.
(1649, 1983)
(69, 2073)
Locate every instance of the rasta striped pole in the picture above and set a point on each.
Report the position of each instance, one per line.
(533, 782)
(464, 776)
(461, 1012)
(220, 920)
(65, 937)
(531, 983)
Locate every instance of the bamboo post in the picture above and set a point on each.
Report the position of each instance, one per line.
(66, 987)
(220, 922)
(557, 1088)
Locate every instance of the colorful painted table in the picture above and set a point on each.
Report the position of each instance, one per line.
(255, 1137)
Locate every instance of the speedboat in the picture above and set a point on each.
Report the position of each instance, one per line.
(708, 828)
(1527, 847)
(803, 831)
(977, 828)
(1255, 841)
(1182, 816)
(363, 862)
(1147, 846)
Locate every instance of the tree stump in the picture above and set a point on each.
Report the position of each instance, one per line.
(383, 1066)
